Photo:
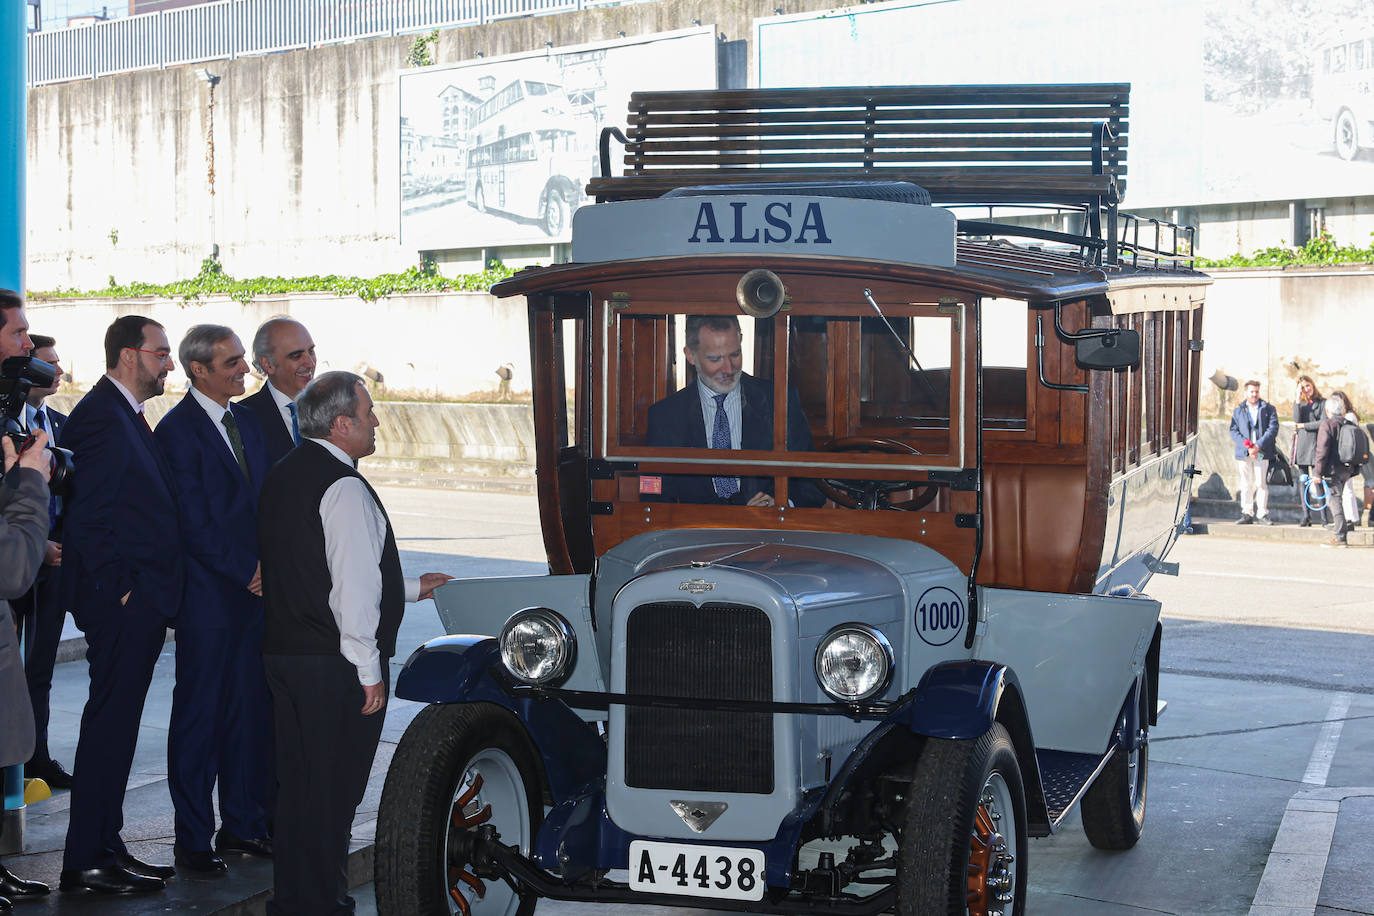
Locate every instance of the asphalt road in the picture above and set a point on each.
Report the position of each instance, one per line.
(1265, 668)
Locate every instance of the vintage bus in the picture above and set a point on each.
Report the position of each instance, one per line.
(852, 659)
(1343, 89)
(526, 155)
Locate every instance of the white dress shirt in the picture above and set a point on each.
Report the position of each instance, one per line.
(216, 414)
(136, 404)
(354, 535)
(283, 406)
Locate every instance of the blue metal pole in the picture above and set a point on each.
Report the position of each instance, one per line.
(13, 149)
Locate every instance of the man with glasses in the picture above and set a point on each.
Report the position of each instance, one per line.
(40, 611)
(123, 580)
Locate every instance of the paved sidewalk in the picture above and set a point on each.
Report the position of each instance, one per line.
(1326, 838)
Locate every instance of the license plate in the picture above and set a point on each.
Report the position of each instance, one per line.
(696, 871)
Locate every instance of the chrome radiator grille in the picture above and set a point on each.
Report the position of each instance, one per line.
(716, 651)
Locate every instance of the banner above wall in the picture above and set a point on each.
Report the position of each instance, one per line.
(497, 152)
(1231, 100)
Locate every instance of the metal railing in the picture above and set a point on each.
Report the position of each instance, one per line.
(237, 28)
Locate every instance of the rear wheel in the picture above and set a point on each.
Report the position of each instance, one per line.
(1347, 135)
(1114, 806)
(457, 767)
(963, 845)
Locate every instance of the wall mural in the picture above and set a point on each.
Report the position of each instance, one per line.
(1231, 100)
(497, 152)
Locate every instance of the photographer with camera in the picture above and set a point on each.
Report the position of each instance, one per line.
(23, 539)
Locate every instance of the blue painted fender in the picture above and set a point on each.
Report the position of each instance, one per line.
(449, 669)
(958, 699)
(453, 669)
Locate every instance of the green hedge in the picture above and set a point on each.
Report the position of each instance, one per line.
(1321, 250)
(213, 281)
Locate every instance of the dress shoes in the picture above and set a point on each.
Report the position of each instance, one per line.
(200, 861)
(5, 905)
(127, 862)
(13, 888)
(226, 842)
(108, 880)
(50, 771)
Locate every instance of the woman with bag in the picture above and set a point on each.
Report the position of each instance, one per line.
(1308, 413)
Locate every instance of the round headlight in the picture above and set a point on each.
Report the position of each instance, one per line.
(538, 646)
(853, 662)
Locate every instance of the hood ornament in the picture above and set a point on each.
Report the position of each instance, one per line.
(698, 814)
(696, 586)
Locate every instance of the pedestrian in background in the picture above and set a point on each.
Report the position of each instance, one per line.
(1254, 430)
(1350, 504)
(1308, 412)
(1331, 468)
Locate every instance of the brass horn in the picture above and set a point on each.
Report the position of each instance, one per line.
(760, 293)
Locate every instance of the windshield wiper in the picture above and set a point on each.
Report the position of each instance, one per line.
(925, 380)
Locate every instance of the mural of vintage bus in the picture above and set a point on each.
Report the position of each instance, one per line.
(1343, 89)
(527, 157)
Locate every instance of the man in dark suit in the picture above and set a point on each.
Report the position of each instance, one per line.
(122, 579)
(284, 352)
(331, 577)
(725, 408)
(40, 611)
(221, 713)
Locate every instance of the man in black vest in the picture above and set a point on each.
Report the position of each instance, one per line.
(332, 583)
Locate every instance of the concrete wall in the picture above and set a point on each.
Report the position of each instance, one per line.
(306, 152)
(443, 346)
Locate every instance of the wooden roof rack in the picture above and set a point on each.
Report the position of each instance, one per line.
(1037, 145)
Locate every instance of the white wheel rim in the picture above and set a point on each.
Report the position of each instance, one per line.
(503, 789)
(995, 892)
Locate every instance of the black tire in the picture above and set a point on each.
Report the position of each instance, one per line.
(1346, 135)
(959, 791)
(555, 213)
(435, 763)
(1113, 808)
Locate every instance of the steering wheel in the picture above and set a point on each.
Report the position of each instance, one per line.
(873, 494)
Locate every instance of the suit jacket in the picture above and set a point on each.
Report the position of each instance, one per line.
(1264, 435)
(677, 422)
(23, 533)
(279, 440)
(219, 513)
(121, 531)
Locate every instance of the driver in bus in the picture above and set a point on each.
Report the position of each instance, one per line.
(729, 409)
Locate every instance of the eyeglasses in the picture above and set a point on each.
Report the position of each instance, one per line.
(162, 356)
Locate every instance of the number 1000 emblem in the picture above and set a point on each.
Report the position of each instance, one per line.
(939, 616)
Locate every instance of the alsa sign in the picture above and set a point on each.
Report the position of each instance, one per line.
(748, 224)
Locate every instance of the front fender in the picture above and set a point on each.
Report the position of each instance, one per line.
(449, 669)
(453, 669)
(958, 700)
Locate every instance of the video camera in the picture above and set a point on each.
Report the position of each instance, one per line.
(18, 376)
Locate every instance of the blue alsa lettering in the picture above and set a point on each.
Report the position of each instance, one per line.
(778, 217)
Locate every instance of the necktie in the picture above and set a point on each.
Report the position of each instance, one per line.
(236, 442)
(295, 424)
(38, 420)
(720, 438)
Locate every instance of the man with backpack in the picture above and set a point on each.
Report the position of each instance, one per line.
(1342, 447)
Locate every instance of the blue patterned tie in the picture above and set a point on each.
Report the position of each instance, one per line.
(295, 423)
(720, 438)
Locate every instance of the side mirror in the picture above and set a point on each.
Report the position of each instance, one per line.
(1117, 350)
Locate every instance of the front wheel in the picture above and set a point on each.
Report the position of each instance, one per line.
(1114, 806)
(1346, 137)
(457, 767)
(555, 213)
(963, 845)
